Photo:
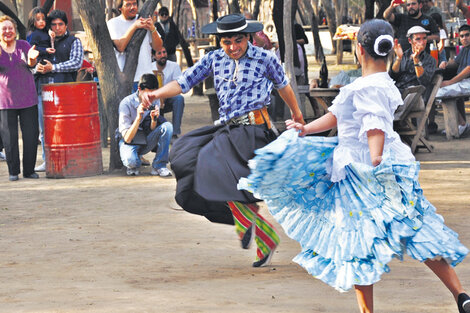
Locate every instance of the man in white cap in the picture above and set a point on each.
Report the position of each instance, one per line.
(414, 66)
(208, 162)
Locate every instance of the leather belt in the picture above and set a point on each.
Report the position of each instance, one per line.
(255, 117)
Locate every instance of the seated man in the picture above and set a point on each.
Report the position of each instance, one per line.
(414, 66)
(460, 83)
(170, 71)
(142, 130)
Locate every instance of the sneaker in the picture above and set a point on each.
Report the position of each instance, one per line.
(463, 129)
(248, 237)
(33, 175)
(13, 178)
(266, 260)
(162, 172)
(40, 168)
(144, 161)
(2, 156)
(463, 302)
(132, 171)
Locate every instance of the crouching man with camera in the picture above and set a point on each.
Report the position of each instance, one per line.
(142, 129)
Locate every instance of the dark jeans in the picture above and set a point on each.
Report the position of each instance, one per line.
(28, 118)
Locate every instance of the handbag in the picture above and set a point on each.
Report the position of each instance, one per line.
(140, 138)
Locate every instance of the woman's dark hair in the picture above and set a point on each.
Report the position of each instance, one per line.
(148, 81)
(376, 36)
(32, 17)
(56, 14)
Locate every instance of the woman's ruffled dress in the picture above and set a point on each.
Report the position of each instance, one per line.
(351, 218)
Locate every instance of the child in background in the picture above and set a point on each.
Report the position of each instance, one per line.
(40, 37)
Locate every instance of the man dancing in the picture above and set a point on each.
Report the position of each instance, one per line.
(208, 162)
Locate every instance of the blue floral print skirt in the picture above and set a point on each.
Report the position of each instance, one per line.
(348, 230)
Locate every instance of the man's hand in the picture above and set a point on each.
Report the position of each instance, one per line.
(33, 53)
(154, 114)
(417, 48)
(398, 49)
(148, 23)
(394, 4)
(44, 68)
(140, 111)
(147, 97)
(50, 50)
(297, 117)
(443, 65)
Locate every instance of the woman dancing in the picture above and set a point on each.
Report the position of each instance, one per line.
(354, 202)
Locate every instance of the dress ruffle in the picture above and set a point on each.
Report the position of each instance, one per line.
(348, 230)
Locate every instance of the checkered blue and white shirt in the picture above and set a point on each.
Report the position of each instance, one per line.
(242, 85)
(74, 63)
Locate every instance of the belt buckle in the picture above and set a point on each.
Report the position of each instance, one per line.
(251, 118)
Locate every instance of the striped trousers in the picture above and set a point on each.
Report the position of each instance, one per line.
(246, 216)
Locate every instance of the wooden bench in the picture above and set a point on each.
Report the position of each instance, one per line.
(451, 114)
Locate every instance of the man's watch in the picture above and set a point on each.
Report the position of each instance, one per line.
(418, 64)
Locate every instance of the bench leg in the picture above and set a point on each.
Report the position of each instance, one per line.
(449, 108)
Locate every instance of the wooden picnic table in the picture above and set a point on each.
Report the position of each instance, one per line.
(325, 97)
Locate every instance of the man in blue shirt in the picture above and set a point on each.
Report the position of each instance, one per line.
(460, 83)
(142, 130)
(208, 162)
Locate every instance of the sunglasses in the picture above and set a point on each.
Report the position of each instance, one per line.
(465, 35)
(412, 3)
(163, 14)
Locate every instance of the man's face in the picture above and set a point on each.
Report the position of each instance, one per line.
(58, 27)
(129, 9)
(235, 47)
(418, 42)
(161, 57)
(427, 4)
(413, 7)
(163, 17)
(465, 37)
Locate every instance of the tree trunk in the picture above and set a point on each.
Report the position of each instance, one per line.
(319, 54)
(256, 9)
(21, 28)
(114, 84)
(233, 6)
(290, 46)
(48, 5)
(331, 18)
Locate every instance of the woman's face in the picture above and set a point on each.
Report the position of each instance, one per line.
(7, 32)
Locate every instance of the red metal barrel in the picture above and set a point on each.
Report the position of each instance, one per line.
(71, 130)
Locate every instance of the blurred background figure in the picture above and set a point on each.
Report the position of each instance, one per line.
(168, 31)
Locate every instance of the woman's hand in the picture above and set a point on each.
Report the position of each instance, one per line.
(33, 53)
(376, 160)
(299, 126)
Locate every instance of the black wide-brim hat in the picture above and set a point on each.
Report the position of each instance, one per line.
(232, 23)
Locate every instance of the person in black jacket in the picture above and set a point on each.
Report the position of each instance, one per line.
(168, 30)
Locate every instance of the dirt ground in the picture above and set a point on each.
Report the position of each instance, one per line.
(112, 243)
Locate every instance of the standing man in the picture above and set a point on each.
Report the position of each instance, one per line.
(64, 66)
(170, 71)
(142, 130)
(121, 30)
(414, 17)
(414, 66)
(208, 162)
(168, 31)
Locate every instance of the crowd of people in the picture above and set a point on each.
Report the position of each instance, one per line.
(353, 202)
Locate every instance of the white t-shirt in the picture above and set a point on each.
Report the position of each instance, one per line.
(171, 71)
(118, 27)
